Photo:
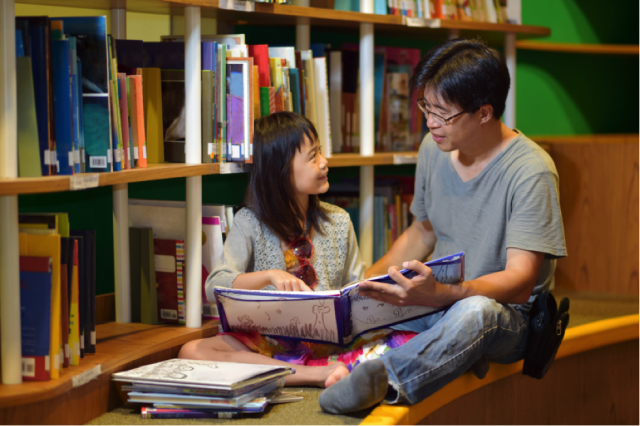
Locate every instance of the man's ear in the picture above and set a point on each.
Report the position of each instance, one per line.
(486, 113)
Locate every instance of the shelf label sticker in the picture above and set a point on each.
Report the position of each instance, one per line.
(135, 153)
(28, 367)
(70, 154)
(84, 181)
(47, 157)
(144, 151)
(421, 22)
(86, 376)
(241, 5)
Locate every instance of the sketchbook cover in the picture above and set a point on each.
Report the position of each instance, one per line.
(225, 375)
(335, 316)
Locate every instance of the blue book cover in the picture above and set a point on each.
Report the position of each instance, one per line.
(91, 43)
(295, 88)
(208, 56)
(40, 53)
(75, 104)
(62, 105)
(35, 308)
(82, 161)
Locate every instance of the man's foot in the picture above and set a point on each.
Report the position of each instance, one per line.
(365, 387)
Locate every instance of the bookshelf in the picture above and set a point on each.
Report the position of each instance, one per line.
(193, 10)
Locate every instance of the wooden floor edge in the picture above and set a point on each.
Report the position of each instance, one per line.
(576, 340)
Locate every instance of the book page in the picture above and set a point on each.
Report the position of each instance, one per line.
(367, 314)
(307, 319)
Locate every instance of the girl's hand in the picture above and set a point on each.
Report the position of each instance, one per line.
(284, 281)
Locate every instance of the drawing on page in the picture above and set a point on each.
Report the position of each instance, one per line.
(172, 369)
(320, 310)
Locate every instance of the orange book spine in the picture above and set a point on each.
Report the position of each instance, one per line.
(139, 112)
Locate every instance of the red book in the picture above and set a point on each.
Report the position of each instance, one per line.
(260, 54)
(169, 267)
(272, 100)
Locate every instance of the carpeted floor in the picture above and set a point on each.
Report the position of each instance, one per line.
(585, 308)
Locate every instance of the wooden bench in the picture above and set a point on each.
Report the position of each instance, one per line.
(594, 379)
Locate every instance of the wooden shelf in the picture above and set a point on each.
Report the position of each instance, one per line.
(278, 15)
(119, 347)
(601, 138)
(15, 186)
(378, 159)
(596, 49)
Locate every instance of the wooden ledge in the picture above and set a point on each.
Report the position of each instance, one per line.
(596, 49)
(597, 138)
(15, 186)
(577, 339)
(119, 347)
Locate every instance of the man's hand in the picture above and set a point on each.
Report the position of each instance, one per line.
(423, 289)
(284, 281)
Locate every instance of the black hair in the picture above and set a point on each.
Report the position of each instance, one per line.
(270, 194)
(465, 72)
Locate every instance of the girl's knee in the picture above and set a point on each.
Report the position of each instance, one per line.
(189, 350)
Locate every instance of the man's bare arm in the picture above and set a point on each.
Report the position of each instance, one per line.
(513, 285)
(417, 242)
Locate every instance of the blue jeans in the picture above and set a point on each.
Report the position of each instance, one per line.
(466, 336)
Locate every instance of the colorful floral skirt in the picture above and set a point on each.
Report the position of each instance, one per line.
(370, 345)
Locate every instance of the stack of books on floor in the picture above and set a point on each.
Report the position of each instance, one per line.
(182, 388)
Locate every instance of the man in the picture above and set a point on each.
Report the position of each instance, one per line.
(481, 188)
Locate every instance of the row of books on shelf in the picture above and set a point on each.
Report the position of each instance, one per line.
(57, 294)
(391, 208)
(157, 231)
(88, 103)
(76, 112)
(183, 388)
(492, 11)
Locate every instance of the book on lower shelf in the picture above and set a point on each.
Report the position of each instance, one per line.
(336, 316)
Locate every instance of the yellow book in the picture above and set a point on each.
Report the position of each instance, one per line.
(48, 246)
(74, 313)
(275, 67)
(152, 96)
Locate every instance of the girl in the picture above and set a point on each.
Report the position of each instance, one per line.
(284, 214)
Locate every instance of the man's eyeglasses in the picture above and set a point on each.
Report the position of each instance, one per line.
(440, 119)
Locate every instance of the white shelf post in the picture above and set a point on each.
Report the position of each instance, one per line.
(510, 57)
(10, 335)
(120, 194)
(303, 28)
(193, 151)
(367, 134)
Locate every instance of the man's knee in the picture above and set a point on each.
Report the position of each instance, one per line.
(479, 309)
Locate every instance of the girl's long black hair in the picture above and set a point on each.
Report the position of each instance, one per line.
(270, 194)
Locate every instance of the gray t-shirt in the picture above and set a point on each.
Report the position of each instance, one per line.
(513, 202)
(252, 246)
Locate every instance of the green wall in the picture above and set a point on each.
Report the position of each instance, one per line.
(570, 93)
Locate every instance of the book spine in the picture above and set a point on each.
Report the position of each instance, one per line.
(139, 129)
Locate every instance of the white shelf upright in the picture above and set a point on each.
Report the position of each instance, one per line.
(10, 337)
(193, 151)
(120, 195)
(367, 133)
(303, 28)
(510, 57)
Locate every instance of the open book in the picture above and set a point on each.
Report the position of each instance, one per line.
(336, 316)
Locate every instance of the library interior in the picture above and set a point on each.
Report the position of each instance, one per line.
(126, 154)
